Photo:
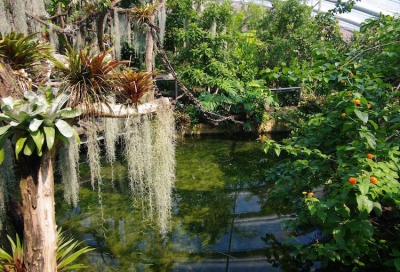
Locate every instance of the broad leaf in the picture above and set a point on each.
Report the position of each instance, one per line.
(35, 124)
(364, 204)
(4, 129)
(29, 147)
(64, 128)
(9, 102)
(362, 115)
(364, 187)
(19, 145)
(50, 133)
(38, 138)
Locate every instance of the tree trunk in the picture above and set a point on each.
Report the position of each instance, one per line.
(37, 190)
(150, 54)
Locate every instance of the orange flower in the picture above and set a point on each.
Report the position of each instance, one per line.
(369, 106)
(343, 114)
(288, 232)
(262, 137)
(373, 180)
(310, 194)
(342, 81)
(357, 102)
(370, 156)
(351, 74)
(352, 180)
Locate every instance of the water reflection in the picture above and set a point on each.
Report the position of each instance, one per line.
(220, 214)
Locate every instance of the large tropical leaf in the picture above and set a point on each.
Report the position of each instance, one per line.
(50, 133)
(64, 128)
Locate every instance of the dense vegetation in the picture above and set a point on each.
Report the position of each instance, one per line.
(348, 145)
(345, 134)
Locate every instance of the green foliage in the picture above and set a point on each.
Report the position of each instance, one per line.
(22, 51)
(67, 253)
(349, 149)
(88, 77)
(222, 67)
(14, 262)
(36, 120)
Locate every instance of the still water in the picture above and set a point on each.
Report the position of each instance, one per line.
(221, 215)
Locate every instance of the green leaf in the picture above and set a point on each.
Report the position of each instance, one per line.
(338, 234)
(321, 215)
(1, 155)
(77, 138)
(277, 149)
(363, 116)
(364, 204)
(364, 187)
(397, 263)
(8, 101)
(29, 147)
(64, 128)
(375, 125)
(347, 125)
(4, 129)
(19, 145)
(50, 133)
(38, 138)
(378, 208)
(35, 124)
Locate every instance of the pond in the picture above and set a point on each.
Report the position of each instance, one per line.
(221, 216)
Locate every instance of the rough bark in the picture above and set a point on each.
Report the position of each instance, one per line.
(40, 230)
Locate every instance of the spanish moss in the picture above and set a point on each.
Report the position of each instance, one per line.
(69, 170)
(163, 163)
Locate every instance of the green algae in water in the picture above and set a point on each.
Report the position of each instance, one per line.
(219, 190)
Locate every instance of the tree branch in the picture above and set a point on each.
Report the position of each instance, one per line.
(119, 110)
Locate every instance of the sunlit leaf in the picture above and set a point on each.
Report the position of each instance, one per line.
(50, 133)
(64, 128)
(19, 145)
(35, 124)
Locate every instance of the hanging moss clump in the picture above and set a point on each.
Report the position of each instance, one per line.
(69, 170)
(150, 156)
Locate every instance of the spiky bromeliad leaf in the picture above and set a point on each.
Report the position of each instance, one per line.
(22, 51)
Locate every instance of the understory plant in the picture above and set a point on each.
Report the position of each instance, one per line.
(68, 250)
(341, 167)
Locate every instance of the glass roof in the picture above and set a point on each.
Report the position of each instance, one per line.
(362, 10)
